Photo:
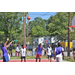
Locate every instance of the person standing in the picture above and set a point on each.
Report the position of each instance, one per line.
(38, 52)
(48, 53)
(4, 50)
(23, 53)
(74, 53)
(59, 52)
(17, 50)
(10, 50)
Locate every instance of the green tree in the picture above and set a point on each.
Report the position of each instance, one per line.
(38, 27)
(58, 25)
(11, 23)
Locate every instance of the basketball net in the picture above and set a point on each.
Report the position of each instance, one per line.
(72, 28)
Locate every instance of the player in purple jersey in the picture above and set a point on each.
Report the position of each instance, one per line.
(38, 52)
(4, 50)
(59, 52)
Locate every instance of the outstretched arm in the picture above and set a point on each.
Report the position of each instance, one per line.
(9, 44)
(6, 42)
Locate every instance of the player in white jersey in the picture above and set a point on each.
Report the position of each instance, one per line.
(48, 53)
(23, 53)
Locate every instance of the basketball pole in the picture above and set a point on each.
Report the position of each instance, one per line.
(69, 36)
(28, 32)
(24, 28)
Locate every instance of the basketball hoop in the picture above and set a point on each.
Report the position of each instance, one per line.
(72, 28)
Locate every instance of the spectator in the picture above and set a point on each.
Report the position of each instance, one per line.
(10, 50)
(17, 50)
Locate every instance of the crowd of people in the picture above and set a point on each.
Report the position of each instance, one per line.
(58, 53)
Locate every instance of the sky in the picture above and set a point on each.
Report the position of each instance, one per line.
(43, 15)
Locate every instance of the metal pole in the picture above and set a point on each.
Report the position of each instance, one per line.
(28, 32)
(69, 37)
(24, 29)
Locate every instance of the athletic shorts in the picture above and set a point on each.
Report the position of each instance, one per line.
(5, 58)
(58, 59)
(49, 56)
(23, 57)
(38, 56)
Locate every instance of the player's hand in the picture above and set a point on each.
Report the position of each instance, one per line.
(7, 39)
(12, 41)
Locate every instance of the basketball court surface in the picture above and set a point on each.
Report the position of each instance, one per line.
(29, 60)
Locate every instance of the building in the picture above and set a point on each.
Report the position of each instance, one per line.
(43, 40)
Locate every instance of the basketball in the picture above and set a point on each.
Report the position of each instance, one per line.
(28, 18)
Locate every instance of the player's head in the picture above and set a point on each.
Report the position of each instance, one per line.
(2, 44)
(59, 44)
(40, 44)
(49, 45)
(22, 46)
(17, 45)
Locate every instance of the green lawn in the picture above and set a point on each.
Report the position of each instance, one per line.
(29, 57)
(13, 51)
(69, 59)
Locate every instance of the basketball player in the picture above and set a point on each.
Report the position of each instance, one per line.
(4, 50)
(48, 53)
(23, 53)
(59, 52)
(38, 51)
(74, 53)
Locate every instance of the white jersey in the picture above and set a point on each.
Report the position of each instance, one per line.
(49, 51)
(23, 52)
(17, 49)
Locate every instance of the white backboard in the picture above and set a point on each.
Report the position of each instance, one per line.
(73, 21)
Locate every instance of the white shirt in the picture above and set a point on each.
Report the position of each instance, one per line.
(49, 51)
(23, 52)
(59, 55)
(17, 49)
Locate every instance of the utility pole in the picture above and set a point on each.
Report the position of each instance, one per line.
(28, 32)
(69, 36)
(24, 29)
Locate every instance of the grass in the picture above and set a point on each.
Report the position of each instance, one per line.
(29, 57)
(71, 59)
(13, 51)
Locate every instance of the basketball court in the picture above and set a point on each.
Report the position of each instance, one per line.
(29, 60)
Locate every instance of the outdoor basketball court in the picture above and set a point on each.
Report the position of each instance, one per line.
(29, 60)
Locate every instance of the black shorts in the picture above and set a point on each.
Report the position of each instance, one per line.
(23, 57)
(49, 56)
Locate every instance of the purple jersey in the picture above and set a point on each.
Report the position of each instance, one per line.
(58, 50)
(39, 50)
(5, 52)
